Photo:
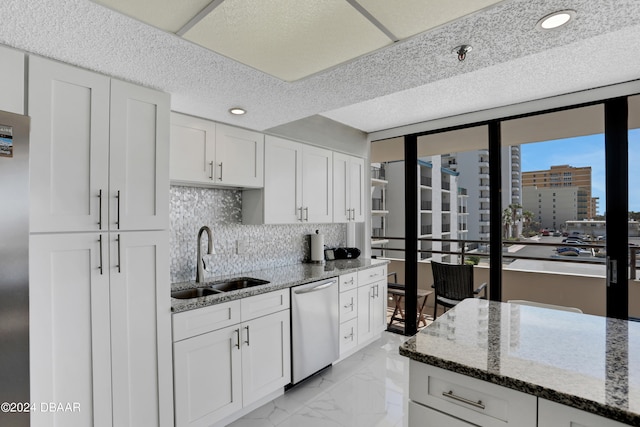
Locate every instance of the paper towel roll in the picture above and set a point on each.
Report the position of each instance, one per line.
(317, 247)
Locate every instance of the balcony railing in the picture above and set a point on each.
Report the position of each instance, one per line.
(446, 207)
(426, 229)
(446, 185)
(425, 180)
(425, 205)
(446, 228)
(377, 172)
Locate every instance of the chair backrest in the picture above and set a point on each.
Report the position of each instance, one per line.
(453, 281)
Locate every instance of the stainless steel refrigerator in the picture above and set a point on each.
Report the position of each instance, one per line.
(14, 269)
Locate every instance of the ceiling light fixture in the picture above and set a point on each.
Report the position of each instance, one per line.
(556, 19)
(237, 111)
(462, 51)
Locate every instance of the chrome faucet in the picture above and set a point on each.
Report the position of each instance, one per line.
(210, 251)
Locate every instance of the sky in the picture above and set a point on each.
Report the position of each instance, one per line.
(585, 151)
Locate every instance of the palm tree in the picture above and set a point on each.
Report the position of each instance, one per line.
(516, 215)
(507, 219)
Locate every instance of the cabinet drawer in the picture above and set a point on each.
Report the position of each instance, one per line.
(470, 399)
(421, 416)
(348, 305)
(371, 275)
(263, 304)
(348, 335)
(552, 414)
(348, 281)
(199, 321)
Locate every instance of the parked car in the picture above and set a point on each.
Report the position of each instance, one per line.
(574, 241)
(545, 232)
(557, 233)
(565, 234)
(567, 251)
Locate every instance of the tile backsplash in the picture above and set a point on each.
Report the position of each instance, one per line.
(221, 210)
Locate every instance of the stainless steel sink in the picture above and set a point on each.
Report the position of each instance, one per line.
(194, 293)
(236, 283)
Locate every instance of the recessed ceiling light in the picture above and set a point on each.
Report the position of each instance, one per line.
(556, 19)
(237, 111)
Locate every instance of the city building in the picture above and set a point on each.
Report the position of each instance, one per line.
(553, 206)
(473, 167)
(598, 228)
(566, 176)
(442, 204)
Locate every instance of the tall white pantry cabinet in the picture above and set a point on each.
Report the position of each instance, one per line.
(100, 312)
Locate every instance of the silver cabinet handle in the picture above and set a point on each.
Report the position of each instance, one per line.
(118, 265)
(377, 291)
(247, 341)
(373, 292)
(100, 210)
(300, 209)
(237, 331)
(211, 170)
(220, 179)
(118, 216)
(349, 305)
(450, 395)
(100, 242)
(306, 215)
(350, 336)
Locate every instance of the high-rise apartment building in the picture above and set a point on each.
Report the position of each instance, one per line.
(566, 176)
(552, 207)
(473, 167)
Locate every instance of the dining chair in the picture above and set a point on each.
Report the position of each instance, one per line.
(453, 283)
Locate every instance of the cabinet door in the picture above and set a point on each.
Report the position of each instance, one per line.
(193, 143)
(69, 110)
(379, 307)
(12, 80)
(341, 203)
(207, 376)
(317, 184)
(139, 158)
(551, 414)
(69, 328)
(239, 157)
(282, 181)
(356, 188)
(366, 329)
(266, 356)
(141, 329)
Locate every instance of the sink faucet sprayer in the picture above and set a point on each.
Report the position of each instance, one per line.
(210, 251)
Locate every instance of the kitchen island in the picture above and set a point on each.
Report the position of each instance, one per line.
(491, 363)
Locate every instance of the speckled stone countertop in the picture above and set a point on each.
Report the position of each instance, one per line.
(278, 278)
(587, 362)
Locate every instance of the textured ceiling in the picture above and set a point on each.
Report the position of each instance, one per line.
(410, 81)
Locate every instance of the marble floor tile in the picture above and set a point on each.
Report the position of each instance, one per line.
(368, 389)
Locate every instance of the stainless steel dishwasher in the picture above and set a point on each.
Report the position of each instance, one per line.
(314, 327)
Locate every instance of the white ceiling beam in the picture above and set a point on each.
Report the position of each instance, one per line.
(364, 12)
(199, 17)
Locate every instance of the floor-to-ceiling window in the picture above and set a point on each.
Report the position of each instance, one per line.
(581, 155)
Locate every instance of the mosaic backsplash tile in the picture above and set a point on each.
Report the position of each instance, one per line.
(221, 210)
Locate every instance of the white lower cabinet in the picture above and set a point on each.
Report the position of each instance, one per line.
(362, 308)
(551, 414)
(222, 371)
(372, 300)
(468, 399)
(100, 328)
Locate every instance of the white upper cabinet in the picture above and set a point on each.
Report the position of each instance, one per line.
(139, 154)
(193, 149)
(317, 184)
(348, 188)
(298, 185)
(208, 153)
(239, 156)
(99, 152)
(11, 80)
(69, 154)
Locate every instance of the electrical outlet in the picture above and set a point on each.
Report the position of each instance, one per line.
(241, 247)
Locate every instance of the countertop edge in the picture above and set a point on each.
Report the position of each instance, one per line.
(573, 401)
(180, 306)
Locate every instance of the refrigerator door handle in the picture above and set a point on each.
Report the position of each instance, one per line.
(118, 266)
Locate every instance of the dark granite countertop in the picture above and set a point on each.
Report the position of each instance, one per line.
(278, 278)
(587, 362)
